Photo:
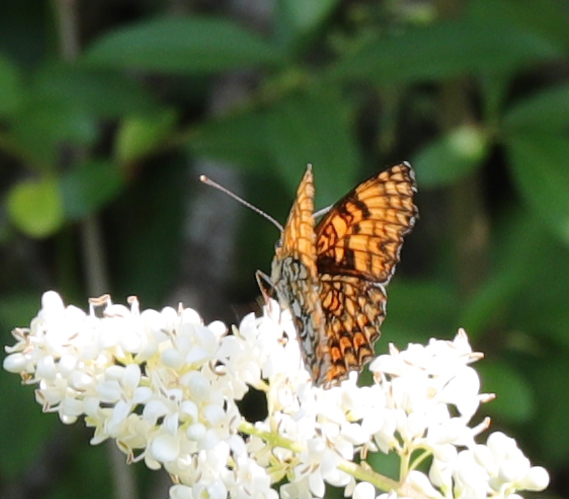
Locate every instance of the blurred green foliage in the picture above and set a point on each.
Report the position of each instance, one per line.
(474, 94)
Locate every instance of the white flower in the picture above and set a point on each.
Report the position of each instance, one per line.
(249, 480)
(364, 490)
(166, 387)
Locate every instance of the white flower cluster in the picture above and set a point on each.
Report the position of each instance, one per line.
(166, 387)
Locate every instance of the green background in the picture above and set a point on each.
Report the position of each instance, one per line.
(109, 111)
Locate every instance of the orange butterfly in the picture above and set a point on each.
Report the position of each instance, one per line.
(332, 275)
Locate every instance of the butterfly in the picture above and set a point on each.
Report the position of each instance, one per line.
(331, 275)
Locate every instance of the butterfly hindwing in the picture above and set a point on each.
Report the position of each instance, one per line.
(353, 310)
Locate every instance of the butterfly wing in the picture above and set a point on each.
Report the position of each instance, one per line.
(362, 234)
(358, 244)
(353, 309)
(294, 275)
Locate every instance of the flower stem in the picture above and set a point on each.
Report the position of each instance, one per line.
(272, 439)
(366, 474)
(358, 471)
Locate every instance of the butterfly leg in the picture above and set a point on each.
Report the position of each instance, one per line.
(267, 290)
(265, 285)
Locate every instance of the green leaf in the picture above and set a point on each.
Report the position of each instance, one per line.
(542, 176)
(451, 157)
(547, 18)
(305, 15)
(101, 93)
(520, 243)
(552, 432)
(41, 126)
(89, 187)
(299, 18)
(195, 44)
(10, 87)
(64, 104)
(314, 127)
(547, 111)
(514, 398)
(141, 135)
(300, 129)
(538, 257)
(446, 50)
(237, 138)
(24, 417)
(35, 207)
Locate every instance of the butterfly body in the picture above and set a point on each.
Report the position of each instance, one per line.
(332, 275)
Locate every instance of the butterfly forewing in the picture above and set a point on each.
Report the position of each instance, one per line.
(332, 276)
(295, 277)
(298, 236)
(362, 234)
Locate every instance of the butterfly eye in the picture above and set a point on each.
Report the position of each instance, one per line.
(278, 244)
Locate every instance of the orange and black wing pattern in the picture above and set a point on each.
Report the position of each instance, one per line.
(358, 244)
(332, 276)
(363, 233)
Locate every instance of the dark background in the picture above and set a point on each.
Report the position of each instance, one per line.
(110, 110)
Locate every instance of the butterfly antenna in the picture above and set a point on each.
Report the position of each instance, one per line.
(211, 183)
